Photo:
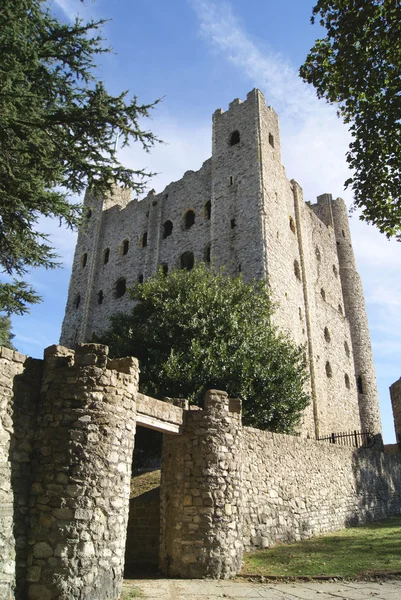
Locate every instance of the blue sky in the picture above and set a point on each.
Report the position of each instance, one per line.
(198, 55)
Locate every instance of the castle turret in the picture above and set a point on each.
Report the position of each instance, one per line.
(86, 261)
(355, 310)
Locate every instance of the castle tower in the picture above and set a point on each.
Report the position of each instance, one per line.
(87, 260)
(240, 211)
(355, 310)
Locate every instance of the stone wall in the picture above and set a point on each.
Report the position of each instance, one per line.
(143, 533)
(295, 488)
(201, 501)
(81, 483)
(395, 393)
(250, 218)
(20, 379)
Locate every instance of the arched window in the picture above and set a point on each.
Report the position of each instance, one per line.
(167, 229)
(327, 335)
(347, 381)
(84, 260)
(329, 372)
(271, 140)
(187, 261)
(144, 239)
(124, 247)
(207, 253)
(77, 301)
(121, 287)
(189, 219)
(208, 210)
(234, 138)
(297, 270)
(359, 384)
(292, 225)
(100, 297)
(106, 256)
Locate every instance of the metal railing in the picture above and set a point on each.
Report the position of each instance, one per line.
(355, 439)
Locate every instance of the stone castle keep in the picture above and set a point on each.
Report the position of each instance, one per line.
(240, 210)
(68, 422)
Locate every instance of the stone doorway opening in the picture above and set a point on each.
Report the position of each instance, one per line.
(143, 529)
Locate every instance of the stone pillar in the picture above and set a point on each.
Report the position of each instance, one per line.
(395, 393)
(81, 481)
(201, 501)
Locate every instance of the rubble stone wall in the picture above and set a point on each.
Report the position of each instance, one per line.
(81, 484)
(201, 501)
(19, 394)
(295, 488)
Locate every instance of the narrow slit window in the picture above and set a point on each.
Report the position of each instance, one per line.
(329, 371)
(207, 253)
(100, 297)
(347, 381)
(140, 278)
(84, 260)
(125, 247)
(271, 140)
(106, 256)
(208, 210)
(77, 301)
(164, 268)
(292, 225)
(233, 223)
(359, 385)
(144, 240)
(297, 270)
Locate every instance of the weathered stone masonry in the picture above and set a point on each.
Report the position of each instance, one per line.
(67, 432)
(240, 210)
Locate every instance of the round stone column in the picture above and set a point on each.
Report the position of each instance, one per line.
(81, 478)
(201, 500)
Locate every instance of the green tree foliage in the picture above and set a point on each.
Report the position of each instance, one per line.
(358, 66)
(58, 127)
(5, 332)
(193, 331)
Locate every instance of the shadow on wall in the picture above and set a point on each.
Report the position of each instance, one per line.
(377, 479)
(24, 405)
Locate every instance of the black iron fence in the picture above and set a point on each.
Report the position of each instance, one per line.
(356, 439)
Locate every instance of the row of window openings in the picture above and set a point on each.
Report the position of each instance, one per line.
(187, 261)
(359, 383)
(297, 272)
(235, 138)
(317, 249)
(189, 220)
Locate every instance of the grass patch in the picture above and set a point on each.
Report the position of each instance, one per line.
(371, 549)
(131, 593)
(144, 483)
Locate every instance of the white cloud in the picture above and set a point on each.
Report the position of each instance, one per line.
(74, 8)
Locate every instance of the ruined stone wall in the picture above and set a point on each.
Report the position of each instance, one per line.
(143, 532)
(257, 224)
(201, 501)
(295, 488)
(395, 393)
(20, 379)
(81, 475)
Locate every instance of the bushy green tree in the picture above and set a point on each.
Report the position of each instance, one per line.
(5, 333)
(58, 127)
(358, 66)
(196, 330)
